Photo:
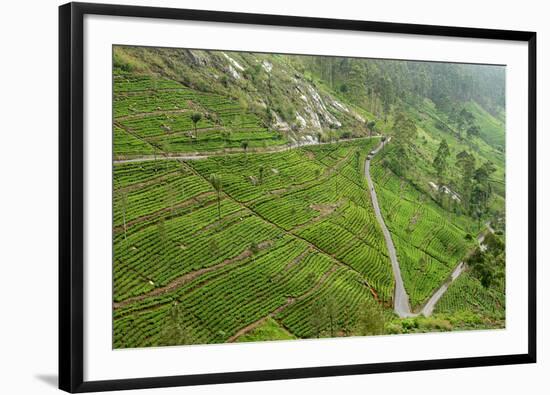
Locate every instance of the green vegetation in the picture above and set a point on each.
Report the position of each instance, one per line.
(269, 330)
(241, 211)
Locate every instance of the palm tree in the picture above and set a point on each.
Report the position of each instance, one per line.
(216, 182)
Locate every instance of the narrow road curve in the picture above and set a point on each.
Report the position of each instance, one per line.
(400, 298)
(428, 308)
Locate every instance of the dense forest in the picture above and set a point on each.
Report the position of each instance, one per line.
(382, 84)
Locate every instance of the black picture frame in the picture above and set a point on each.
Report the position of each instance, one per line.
(71, 173)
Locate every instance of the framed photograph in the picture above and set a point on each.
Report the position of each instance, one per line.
(253, 197)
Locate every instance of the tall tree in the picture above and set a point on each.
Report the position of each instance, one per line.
(405, 132)
(440, 161)
(217, 183)
(195, 118)
(370, 320)
(175, 331)
(404, 129)
(317, 318)
(331, 307)
(466, 162)
(482, 190)
(371, 126)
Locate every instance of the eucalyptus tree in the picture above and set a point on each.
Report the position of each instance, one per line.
(371, 127)
(216, 181)
(195, 118)
(440, 161)
(404, 134)
(370, 320)
(466, 163)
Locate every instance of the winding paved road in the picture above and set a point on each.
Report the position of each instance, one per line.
(428, 308)
(400, 298)
(401, 304)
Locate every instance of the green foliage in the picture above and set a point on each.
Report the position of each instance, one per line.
(440, 161)
(488, 264)
(175, 330)
(466, 162)
(269, 330)
(370, 321)
(405, 133)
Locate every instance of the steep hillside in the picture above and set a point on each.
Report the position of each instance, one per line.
(266, 87)
(242, 210)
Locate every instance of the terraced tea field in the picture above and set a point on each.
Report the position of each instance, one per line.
(488, 303)
(228, 230)
(292, 227)
(154, 115)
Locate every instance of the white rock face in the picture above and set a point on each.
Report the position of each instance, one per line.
(321, 108)
(233, 62)
(301, 121)
(309, 140)
(339, 106)
(358, 117)
(198, 58)
(314, 120)
(267, 66)
(279, 123)
(231, 70)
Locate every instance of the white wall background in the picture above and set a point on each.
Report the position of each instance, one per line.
(28, 195)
